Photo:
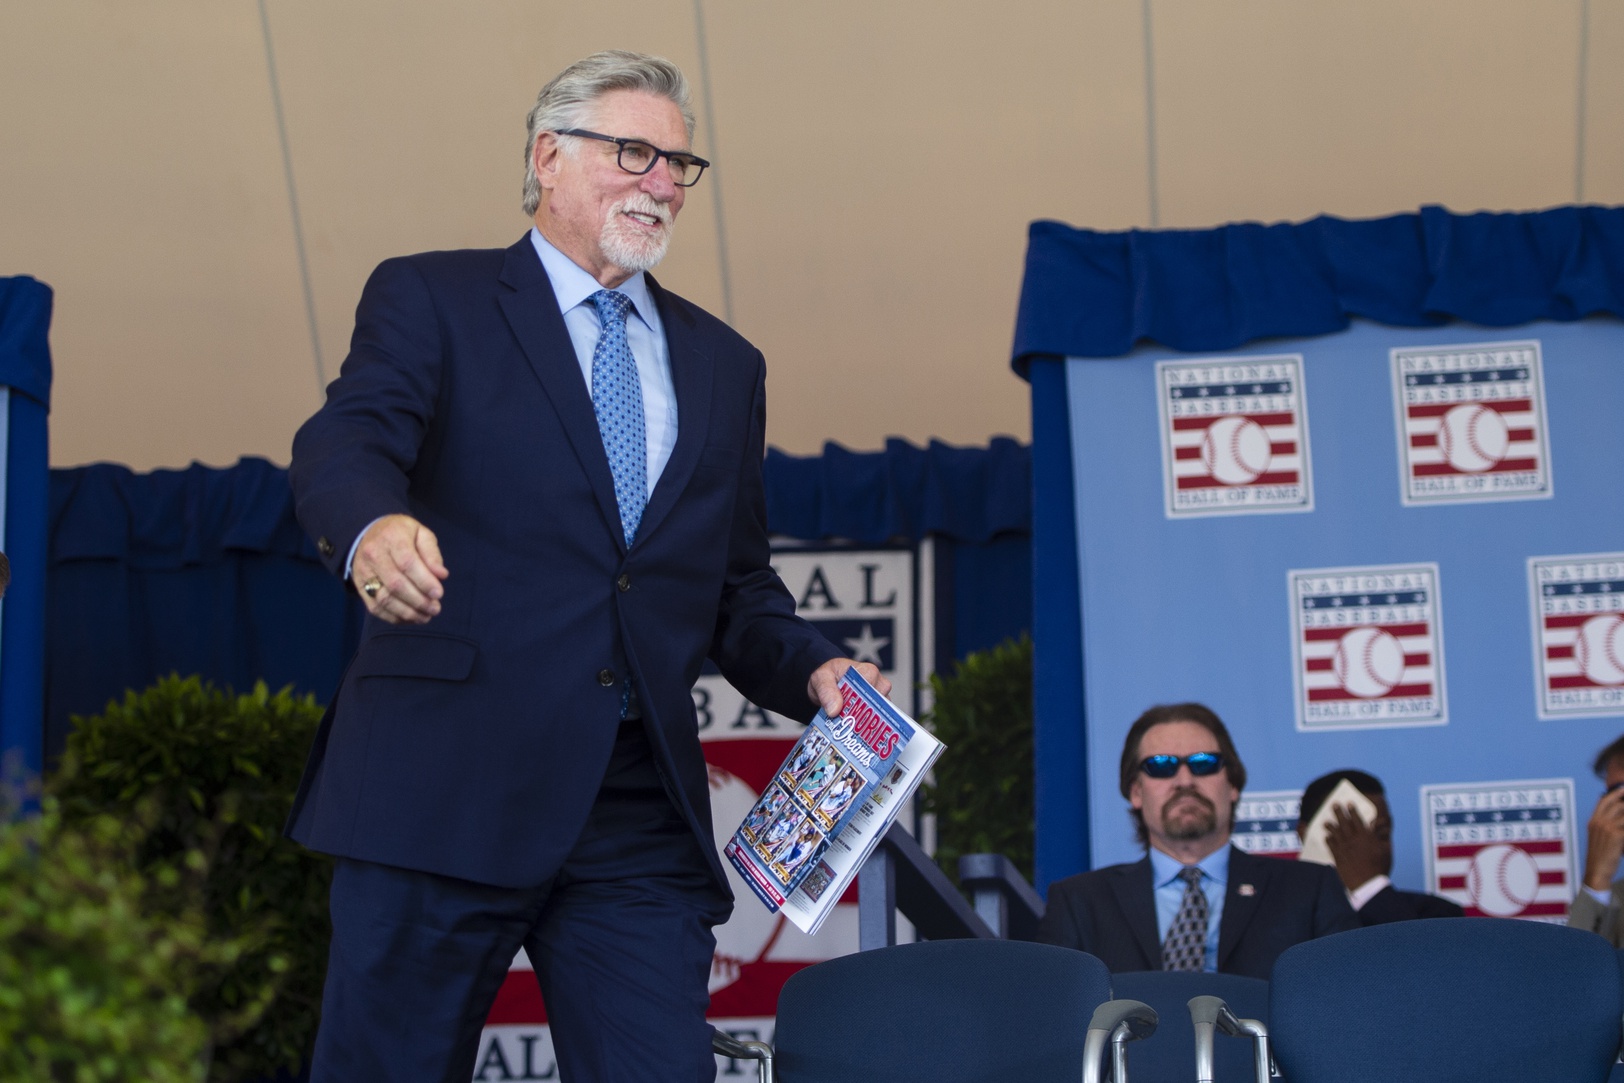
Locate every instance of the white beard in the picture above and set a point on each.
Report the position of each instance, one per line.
(629, 248)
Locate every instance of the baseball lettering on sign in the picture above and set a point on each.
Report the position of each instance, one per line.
(1576, 610)
(1471, 423)
(1234, 436)
(1266, 823)
(1502, 849)
(1368, 647)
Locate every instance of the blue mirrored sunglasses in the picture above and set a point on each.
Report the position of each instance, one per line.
(1199, 763)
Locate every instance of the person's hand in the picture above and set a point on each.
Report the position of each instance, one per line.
(824, 686)
(1606, 842)
(1360, 853)
(398, 571)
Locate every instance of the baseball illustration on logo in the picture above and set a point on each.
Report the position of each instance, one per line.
(1369, 661)
(1234, 435)
(1473, 438)
(1502, 849)
(1597, 649)
(1471, 422)
(1577, 613)
(1502, 880)
(1368, 646)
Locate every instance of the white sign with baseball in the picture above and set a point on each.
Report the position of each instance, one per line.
(1576, 610)
(1502, 849)
(1471, 423)
(1234, 436)
(1367, 646)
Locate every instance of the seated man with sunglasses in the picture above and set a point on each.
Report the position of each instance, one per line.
(1599, 906)
(1194, 902)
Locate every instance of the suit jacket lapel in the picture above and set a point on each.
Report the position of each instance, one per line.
(1240, 907)
(692, 371)
(1135, 890)
(532, 312)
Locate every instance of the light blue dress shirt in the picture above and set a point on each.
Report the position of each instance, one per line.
(644, 332)
(1164, 874)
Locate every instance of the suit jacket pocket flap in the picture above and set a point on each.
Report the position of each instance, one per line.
(436, 657)
(720, 457)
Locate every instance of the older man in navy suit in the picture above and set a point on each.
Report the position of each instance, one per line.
(1194, 902)
(542, 471)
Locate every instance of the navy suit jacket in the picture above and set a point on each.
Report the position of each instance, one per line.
(473, 746)
(1269, 905)
(1390, 904)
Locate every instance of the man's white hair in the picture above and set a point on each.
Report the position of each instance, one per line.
(566, 102)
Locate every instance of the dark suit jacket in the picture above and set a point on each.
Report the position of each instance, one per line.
(1269, 905)
(1391, 904)
(473, 746)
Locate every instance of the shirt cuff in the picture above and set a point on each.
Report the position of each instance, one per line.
(1368, 890)
(1603, 897)
(349, 561)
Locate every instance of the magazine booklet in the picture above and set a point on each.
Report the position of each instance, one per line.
(832, 799)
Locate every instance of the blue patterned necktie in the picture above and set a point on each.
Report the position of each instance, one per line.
(617, 400)
(1186, 945)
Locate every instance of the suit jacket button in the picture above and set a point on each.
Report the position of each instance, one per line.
(324, 546)
(624, 583)
(606, 677)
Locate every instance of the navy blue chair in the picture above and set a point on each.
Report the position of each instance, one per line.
(943, 1011)
(1448, 1002)
(1170, 1055)
(1617, 1075)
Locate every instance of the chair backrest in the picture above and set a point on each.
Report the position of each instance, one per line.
(1168, 1056)
(1447, 1002)
(944, 1011)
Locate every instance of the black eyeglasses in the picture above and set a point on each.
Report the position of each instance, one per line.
(639, 157)
(1200, 764)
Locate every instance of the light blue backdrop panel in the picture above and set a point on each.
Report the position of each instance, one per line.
(1198, 609)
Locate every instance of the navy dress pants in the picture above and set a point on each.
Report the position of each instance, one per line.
(620, 939)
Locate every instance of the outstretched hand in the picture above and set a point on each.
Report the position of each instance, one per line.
(824, 686)
(399, 558)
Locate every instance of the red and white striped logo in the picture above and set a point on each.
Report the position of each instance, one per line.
(1471, 422)
(1577, 609)
(1503, 849)
(1369, 646)
(1234, 436)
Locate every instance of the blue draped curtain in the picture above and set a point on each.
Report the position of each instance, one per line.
(205, 570)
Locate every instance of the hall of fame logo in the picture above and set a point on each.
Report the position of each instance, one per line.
(1471, 423)
(1367, 647)
(1266, 823)
(1577, 612)
(1502, 849)
(1234, 436)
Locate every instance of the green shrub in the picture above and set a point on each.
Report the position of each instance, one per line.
(982, 792)
(220, 771)
(94, 986)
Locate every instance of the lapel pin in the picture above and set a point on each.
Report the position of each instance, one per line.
(1247, 890)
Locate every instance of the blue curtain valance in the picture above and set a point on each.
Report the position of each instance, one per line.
(1092, 294)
